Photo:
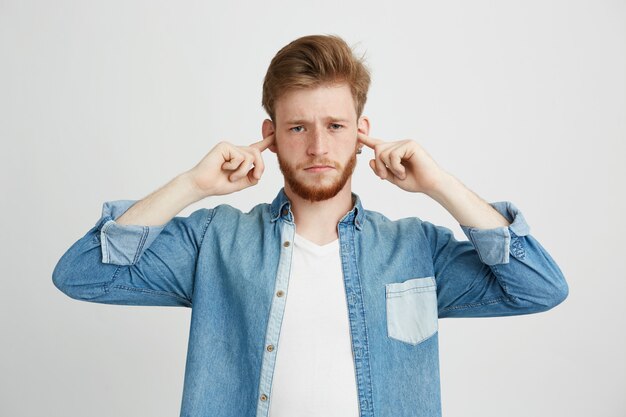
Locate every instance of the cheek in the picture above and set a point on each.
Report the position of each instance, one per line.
(287, 149)
(350, 145)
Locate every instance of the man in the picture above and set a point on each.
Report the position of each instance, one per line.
(313, 305)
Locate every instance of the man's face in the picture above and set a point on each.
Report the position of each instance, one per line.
(316, 140)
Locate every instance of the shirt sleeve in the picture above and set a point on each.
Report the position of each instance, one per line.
(132, 264)
(123, 244)
(500, 271)
(493, 245)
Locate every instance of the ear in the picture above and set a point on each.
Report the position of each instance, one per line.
(268, 129)
(363, 126)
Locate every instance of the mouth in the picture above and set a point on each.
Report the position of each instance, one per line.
(319, 168)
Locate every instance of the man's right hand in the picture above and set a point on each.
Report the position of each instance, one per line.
(227, 168)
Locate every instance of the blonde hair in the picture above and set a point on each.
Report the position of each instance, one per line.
(313, 60)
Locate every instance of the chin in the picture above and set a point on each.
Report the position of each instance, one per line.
(316, 188)
(315, 192)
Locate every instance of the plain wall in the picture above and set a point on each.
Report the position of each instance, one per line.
(522, 101)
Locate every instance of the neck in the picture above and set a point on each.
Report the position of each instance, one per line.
(317, 221)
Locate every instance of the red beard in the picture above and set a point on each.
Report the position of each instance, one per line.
(317, 192)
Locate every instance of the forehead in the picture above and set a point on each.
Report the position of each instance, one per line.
(327, 101)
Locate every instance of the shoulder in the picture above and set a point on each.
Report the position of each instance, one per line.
(228, 213)
(379, 220)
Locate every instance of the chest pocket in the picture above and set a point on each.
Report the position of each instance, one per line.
(412, 309)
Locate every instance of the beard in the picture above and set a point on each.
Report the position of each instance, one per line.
(314, 190)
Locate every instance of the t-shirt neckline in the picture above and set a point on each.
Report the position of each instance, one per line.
(314, 247)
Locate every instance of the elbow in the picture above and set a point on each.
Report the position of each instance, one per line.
(560, 293)
(70, 282)
(560, 289)
(58, 279)
(555, 296)
(62, 282)
(79, 272)
(543, 297)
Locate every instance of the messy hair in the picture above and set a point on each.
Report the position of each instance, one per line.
(313, 60)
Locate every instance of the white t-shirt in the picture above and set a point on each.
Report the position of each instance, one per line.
(314, 374)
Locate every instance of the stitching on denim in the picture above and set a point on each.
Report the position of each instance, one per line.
(206, 224)
(103, 244)
(102, 228)
(415, 343)
(102, 222)
(496, 271)
(211, 213)
(289, 258)
(353, 259)
(147, 291)
(113, 278)
(392, 294)
(475, 246)
(145, 230)
(507, 248)
(471, 305)
(107, 286)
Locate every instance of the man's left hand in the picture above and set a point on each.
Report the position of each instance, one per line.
(404, 163)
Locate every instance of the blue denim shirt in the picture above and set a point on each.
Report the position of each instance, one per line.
(233, 269)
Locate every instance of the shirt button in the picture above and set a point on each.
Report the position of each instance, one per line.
(263, 397)
(270, 348)
(285, 212)
(286, 244)
(279, 293)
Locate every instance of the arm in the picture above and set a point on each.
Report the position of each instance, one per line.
(132, 264)
(464, 205)
(138, 253)
(162, 205)
(501, 270)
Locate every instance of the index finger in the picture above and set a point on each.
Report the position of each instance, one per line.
(264, 144)
(366, 140)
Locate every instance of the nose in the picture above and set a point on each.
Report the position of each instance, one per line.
(318, 143)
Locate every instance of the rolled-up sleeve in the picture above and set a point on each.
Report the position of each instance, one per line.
(494, 245)
(123, 244)
(133, 264)
(499, 271)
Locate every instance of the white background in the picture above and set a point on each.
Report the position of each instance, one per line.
(521, 100)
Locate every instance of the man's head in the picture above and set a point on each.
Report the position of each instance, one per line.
(314, 92)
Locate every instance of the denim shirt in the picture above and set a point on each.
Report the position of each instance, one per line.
(233, 269)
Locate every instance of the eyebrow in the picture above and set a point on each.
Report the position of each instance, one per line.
(329, 118)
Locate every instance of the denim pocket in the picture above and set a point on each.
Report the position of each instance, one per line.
(412, 309)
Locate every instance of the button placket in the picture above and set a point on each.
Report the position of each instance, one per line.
(275, 317)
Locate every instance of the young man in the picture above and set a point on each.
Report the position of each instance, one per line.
(313, 305)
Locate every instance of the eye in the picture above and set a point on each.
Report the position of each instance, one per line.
(296, 127)
(338, 126)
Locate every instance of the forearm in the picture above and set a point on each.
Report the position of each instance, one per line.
(465, 206)
(159, 207)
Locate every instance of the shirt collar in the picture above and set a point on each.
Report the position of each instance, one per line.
(281, 207)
